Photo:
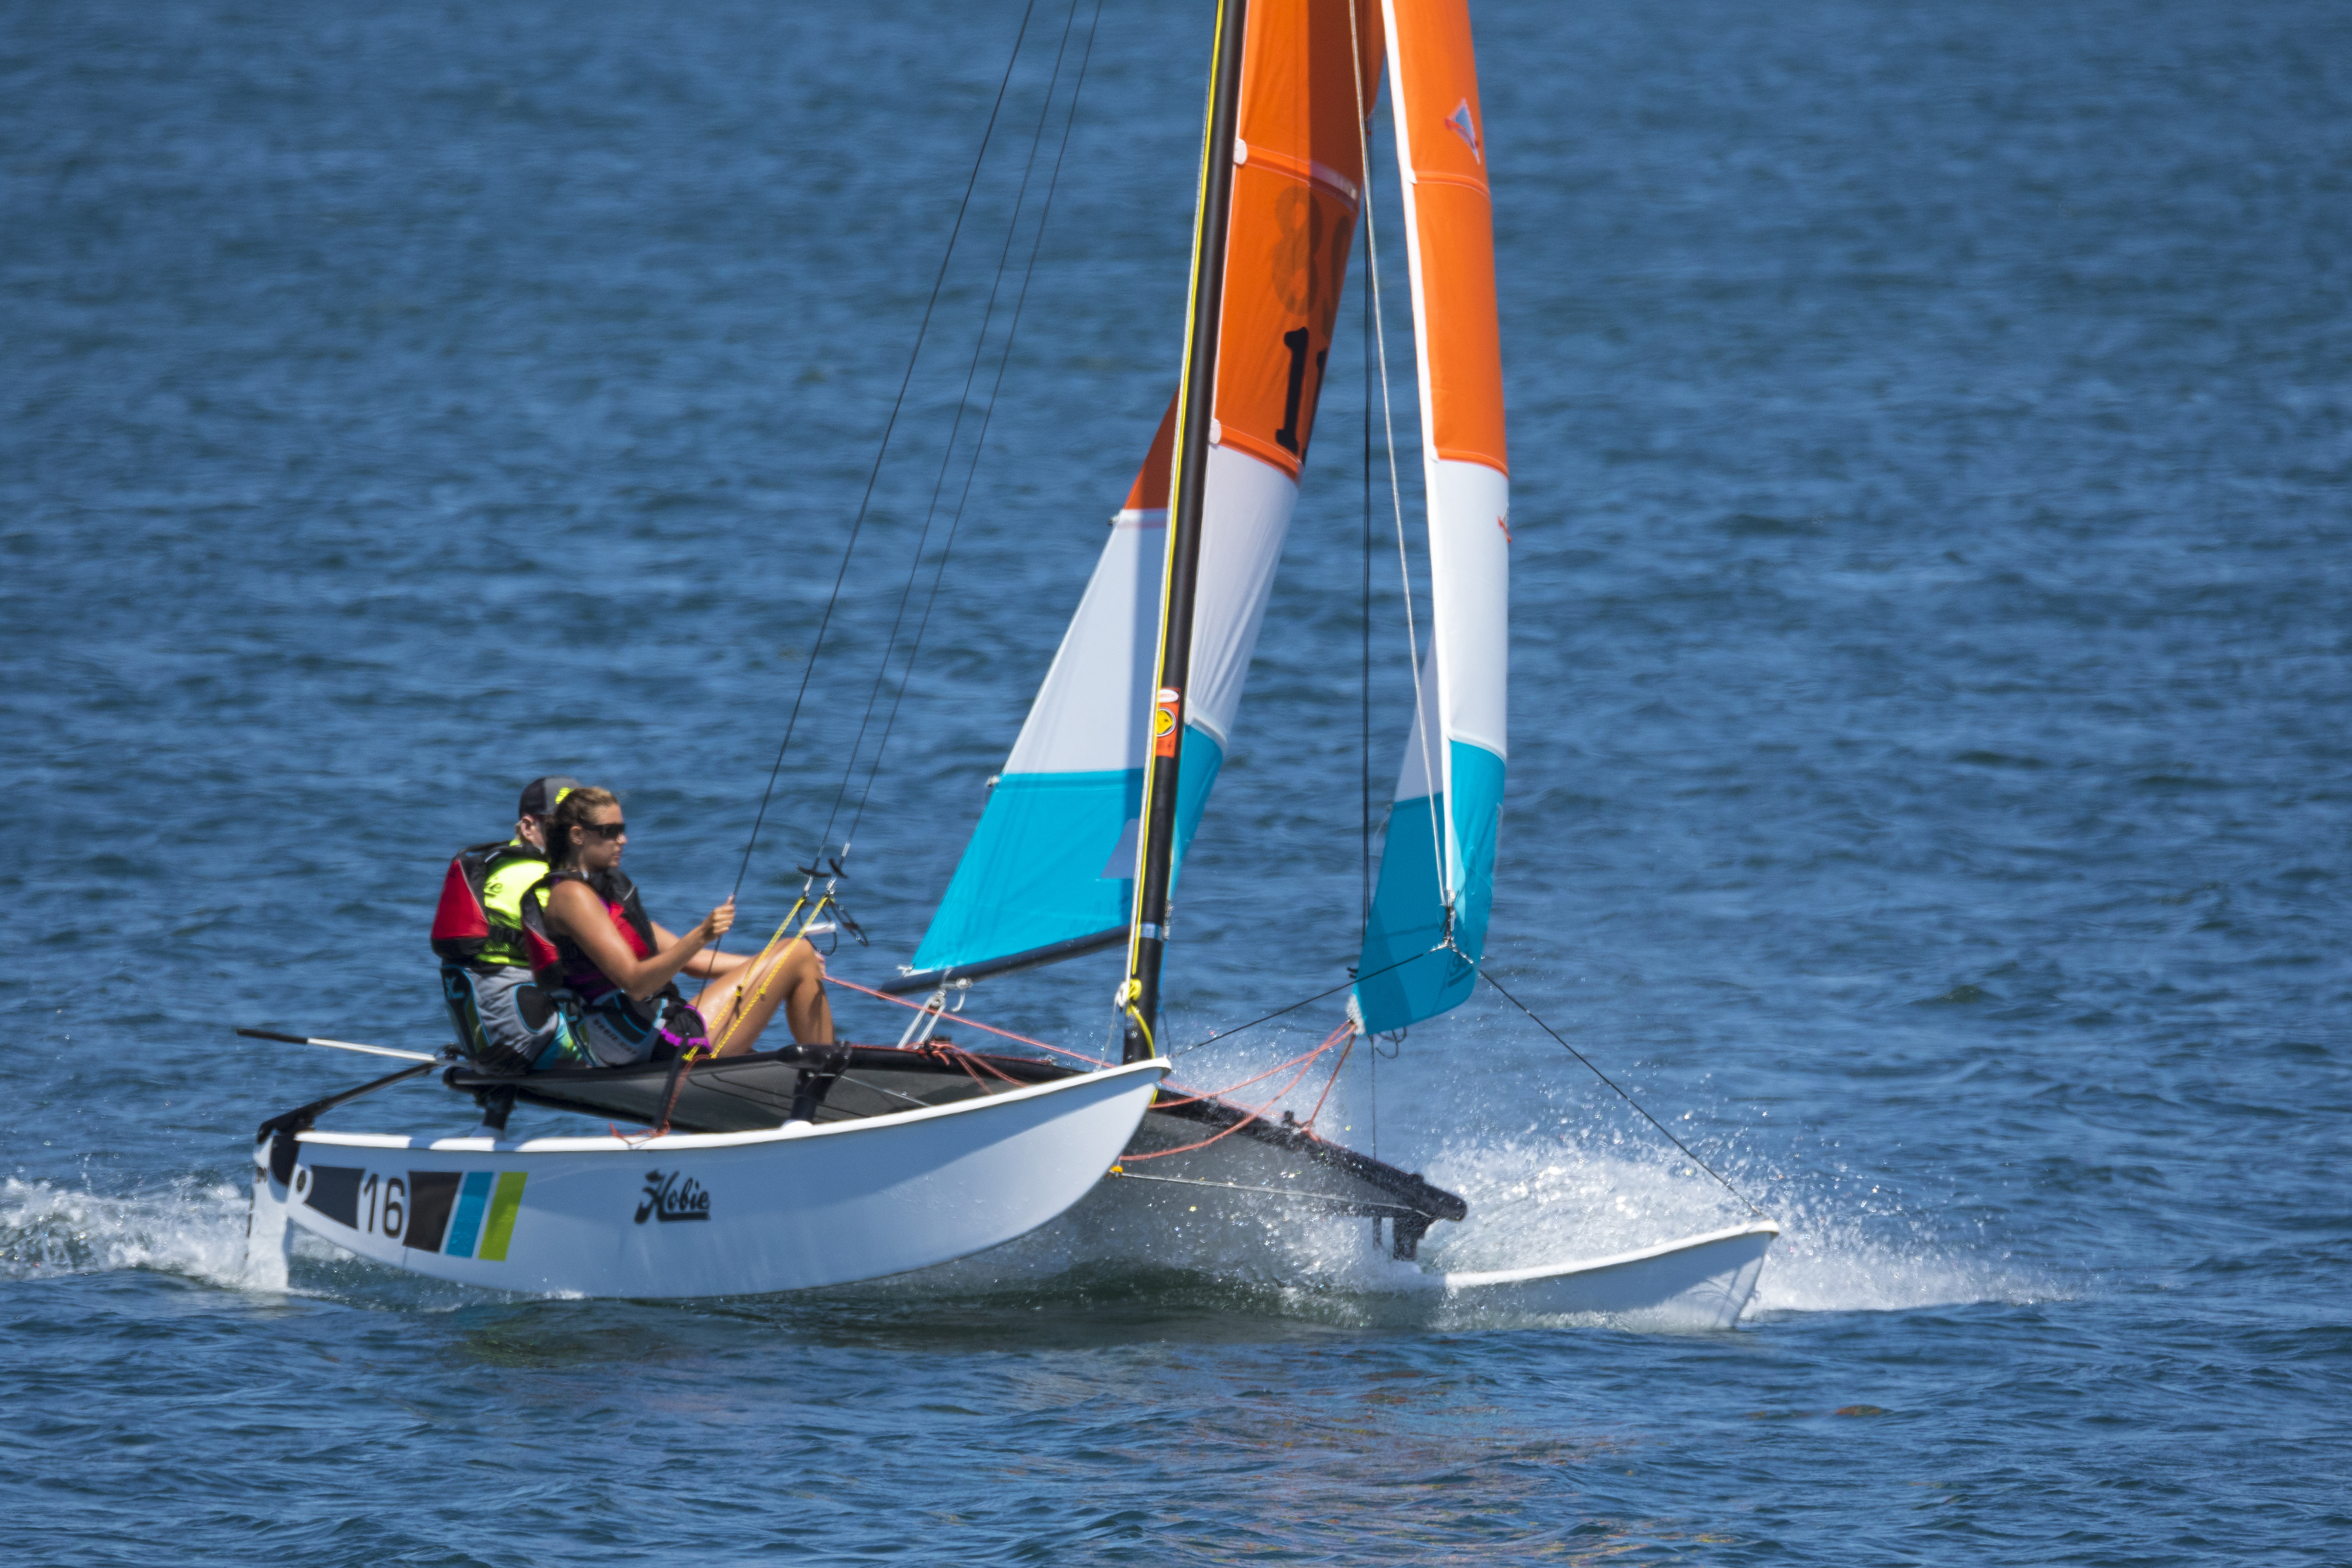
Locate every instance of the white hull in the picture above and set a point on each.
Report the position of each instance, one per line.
(709, 1214)
(1244, 1214)
(1699, 1282)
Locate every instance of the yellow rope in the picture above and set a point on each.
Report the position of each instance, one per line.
(720, 1038)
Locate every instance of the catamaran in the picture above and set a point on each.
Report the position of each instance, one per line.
(813, 1165)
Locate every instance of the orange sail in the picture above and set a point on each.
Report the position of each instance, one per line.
(1306, 69)
(1450, 233)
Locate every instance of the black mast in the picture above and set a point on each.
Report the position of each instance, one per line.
(1195, 406)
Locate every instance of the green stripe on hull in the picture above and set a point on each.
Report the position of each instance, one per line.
(505, 1204)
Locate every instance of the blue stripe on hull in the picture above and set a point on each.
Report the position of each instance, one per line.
(1034, 872)
(1408, 914)
(466, 1225)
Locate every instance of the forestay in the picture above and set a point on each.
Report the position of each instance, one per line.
(1054, 856)
(1437, 869)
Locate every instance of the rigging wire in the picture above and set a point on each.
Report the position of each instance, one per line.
(1364, 793)
(1628, 1099)
(1302, 1001)
(889, 426)
(1364, 616)
(947, 455)
(971, 469)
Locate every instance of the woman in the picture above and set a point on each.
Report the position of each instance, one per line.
(623, 966)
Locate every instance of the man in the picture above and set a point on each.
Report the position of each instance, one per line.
(504, 1020)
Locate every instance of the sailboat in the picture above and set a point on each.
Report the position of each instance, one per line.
(1161, 642)
(833, 1163)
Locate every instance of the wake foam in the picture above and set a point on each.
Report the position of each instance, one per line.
(1839, 1250)
(1844, 1262)
(192, 1228)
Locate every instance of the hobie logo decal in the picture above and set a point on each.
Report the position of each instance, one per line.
(1460, 122)
(672, 1195)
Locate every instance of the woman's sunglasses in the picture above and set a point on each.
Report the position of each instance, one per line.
(607, 831)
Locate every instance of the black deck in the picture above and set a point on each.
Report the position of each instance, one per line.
(757, 1092)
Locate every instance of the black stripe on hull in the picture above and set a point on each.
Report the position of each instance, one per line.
(335, 1192)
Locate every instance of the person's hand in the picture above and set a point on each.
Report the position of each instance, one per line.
(718, 922)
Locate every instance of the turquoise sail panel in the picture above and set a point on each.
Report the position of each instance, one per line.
(1054, 858)
(1408, 917)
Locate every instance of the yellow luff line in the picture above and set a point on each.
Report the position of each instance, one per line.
(1175, 489)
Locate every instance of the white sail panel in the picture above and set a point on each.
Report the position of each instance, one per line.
(1104, 664)
(1054, 856)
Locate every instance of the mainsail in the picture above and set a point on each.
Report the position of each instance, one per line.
(1437, 868)
(1053, 858)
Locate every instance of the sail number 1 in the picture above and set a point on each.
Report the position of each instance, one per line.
(1295, 342)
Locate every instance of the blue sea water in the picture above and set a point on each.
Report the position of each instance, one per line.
(1932, 438)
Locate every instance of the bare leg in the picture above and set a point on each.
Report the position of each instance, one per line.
(738, 1007)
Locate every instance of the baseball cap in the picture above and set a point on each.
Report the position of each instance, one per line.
(540, 797)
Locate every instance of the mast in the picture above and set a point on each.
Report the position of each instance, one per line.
(1196, 406)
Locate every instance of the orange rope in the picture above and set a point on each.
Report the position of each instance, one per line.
(961, 1019)
(1334, 1079)
(1195, 1097)
(1330, 1040)
(947, 1051)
